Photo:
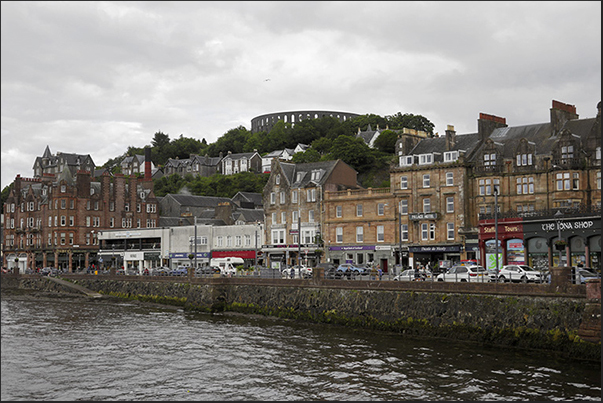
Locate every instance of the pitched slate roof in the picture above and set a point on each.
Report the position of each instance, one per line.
(540, 134)
(463, 142)
(255, 198)
(240, 155)
(291, 170)
(197, 201)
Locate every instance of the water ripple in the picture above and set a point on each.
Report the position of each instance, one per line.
(89, 350)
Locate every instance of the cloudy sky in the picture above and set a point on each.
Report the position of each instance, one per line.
(97, 77)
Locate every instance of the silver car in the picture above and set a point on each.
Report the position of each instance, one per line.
(519, 273)
(409, 275)
(470, 274)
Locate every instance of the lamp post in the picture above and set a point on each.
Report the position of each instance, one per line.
(495, 190)
(558, 216)
(195, 242)
(255, 267)
(400, 233)
(299, 235)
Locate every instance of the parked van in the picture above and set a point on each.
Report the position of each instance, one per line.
(227, 265)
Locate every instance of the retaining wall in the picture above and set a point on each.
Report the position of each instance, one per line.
(565, 323)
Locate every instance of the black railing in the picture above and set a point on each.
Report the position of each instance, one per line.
(568, 212)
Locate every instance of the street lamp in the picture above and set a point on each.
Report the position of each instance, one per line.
(558, 216)
(495, 191)
(400, 233)
(195, 242)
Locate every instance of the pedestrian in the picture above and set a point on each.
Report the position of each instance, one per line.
(292, 272)
(417, 271)
(380, 272)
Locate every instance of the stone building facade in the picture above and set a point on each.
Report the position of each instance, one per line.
(294, 209)
(54, 220)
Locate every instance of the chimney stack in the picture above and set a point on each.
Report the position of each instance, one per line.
(450, 137)
(560, 114)
(487, 123)
(147, 164)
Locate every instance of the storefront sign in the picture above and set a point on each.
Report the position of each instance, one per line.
(359, 247)
(423, 216)
(200, 255)
(452, 248)
(244, 254)
(567, 225)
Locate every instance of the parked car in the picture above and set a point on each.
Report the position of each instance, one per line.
(466, 274)
(331, 272)
(364, 269)
(206, 270)
(306, 272)
(581, 275)
(179, 271)
(160, 271)
(349, 270)
(412, 275)
(517, 273)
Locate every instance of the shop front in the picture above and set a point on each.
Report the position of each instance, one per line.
(281, 256)
(433, 254)
(580, 236)
(182, 259)
(511, 246)
(247, 255)
(381, 255)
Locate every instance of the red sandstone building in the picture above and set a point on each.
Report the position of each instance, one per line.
(54, 218)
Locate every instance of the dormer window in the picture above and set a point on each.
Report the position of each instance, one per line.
(524, 160)
(425, 159)
(567, 153)
(598, 153)
(451, 156)
(406, 160)
(63, 188)
(315, 175)
(278, 179)
(300, 176)
(489, 159)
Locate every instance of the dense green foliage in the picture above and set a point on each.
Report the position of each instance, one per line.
(328, 138)
(216, 185)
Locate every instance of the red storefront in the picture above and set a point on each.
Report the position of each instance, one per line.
(511, 249)
(244, 254)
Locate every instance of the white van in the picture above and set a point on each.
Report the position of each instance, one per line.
(227, 264)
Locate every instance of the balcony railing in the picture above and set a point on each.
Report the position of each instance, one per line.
(357, 193)
(567, 212)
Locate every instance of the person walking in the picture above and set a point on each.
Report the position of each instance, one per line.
(380, 272)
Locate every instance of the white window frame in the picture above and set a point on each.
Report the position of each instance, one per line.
(359, 234)
(450, 204)
(449, 178)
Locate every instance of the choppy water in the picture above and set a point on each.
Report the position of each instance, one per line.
(80, 349)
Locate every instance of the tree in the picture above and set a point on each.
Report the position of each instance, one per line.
(353, 151)
(233, 140)
(309, 155)
(408, 120)
(386, 142)
(160, 140)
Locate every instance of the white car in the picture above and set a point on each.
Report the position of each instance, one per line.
(409, 275)
(298, 272)
(519, 273)
(471, 274)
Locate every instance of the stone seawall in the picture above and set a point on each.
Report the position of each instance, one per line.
(550, 323)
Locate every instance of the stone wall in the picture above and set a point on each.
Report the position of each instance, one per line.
(550, 322)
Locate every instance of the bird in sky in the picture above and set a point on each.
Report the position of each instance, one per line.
(267, 79)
